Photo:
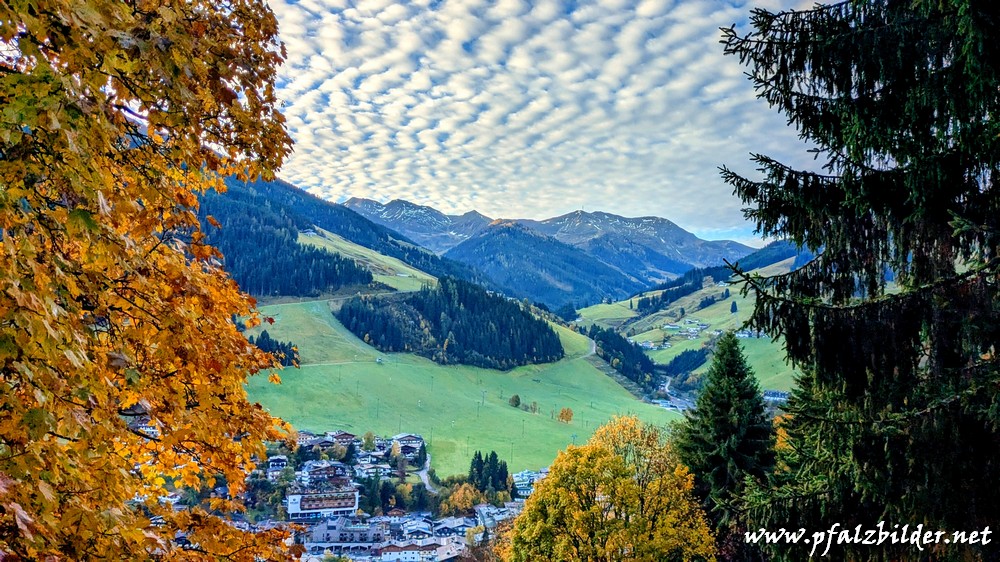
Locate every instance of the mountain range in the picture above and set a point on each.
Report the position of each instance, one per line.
(578, 257)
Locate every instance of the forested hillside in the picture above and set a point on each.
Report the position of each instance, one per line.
(693, 280)
(540, 267)
(259, 244)
(455, 322)
(346, 223)
(626, 357)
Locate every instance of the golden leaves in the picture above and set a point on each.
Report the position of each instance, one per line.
(110, 308)
(622, 496)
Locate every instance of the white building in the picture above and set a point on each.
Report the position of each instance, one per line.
(306, 505)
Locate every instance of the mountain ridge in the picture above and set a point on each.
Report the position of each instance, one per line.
(649, 249)
(533, 265)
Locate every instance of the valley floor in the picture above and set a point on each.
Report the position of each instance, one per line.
(344, 383)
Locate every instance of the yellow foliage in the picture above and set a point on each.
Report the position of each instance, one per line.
(116, 115)
(781, 433)
(462, 499)
(622, 496)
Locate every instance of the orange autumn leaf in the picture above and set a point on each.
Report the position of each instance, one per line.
(116, 116)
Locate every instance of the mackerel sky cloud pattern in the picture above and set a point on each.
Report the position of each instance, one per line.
(525, 109)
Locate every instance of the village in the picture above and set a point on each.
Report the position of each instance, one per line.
(325, 499)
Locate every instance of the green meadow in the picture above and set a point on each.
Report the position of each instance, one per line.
(766, 357)
(385, 269)
(458, 409)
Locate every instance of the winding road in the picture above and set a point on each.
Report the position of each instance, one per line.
(422, 473)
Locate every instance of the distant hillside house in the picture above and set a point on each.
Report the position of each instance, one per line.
(410, 551)
(489, 516)
(275, 465)
(408, 440)
(453, 526)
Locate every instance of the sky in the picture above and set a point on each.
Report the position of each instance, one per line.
(527, 109)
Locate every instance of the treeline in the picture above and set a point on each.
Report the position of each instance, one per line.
(681, 370)
(709, 300)
(260, 246)
(686, 361)
(625, 357)
(455, 322)
(379, 496)
(286, 351)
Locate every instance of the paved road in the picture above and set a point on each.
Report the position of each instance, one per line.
(423, 476)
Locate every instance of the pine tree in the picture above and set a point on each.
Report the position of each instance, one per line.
(896, 417)
(476, 468)
(727, 438)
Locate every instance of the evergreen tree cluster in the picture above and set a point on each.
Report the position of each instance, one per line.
(489, 474)
(379, 495)
(681, 370)
(260, 246)
(455, 322)
(686, 361)
(286, 350)
(567, 312)
(693, 280)
(626, 358)
(707, 301)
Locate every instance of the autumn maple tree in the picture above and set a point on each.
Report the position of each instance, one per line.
(116, 115)
(622, 496)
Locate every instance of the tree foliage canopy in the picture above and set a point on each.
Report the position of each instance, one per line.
(116, 115)
(622, 496)
(897, 416)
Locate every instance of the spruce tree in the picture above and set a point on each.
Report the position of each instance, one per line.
(476, 469)
(896, 418)
(726, 439)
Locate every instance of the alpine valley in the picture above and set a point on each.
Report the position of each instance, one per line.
(415, 311)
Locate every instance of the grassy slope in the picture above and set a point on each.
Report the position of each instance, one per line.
(765, 357)
(340, 385)
(609, 315)
(388, 270)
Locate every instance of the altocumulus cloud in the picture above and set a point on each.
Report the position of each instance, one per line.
(526, 109)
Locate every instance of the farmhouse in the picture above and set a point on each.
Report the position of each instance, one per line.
(408, 440)
(428, 550)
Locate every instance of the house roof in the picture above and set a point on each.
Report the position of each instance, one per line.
(402, 436)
